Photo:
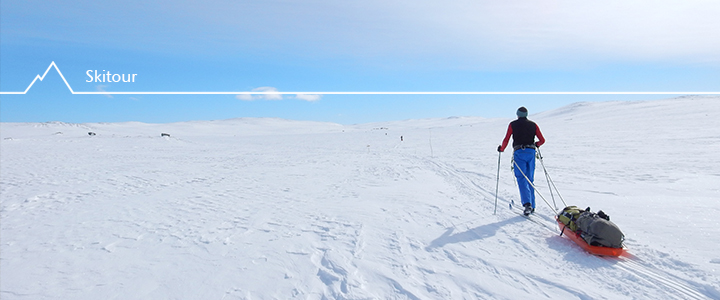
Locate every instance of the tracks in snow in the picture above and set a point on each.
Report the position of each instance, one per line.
(671, 285)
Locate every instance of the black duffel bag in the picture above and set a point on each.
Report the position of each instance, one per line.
(597, 230)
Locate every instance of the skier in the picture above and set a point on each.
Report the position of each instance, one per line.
(523, 132)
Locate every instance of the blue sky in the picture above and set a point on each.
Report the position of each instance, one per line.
(347, 46)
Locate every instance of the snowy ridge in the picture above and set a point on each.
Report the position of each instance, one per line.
(230, 127)
(278, 209)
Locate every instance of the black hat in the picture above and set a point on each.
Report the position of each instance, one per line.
(522, 112)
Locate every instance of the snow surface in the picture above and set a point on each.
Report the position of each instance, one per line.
(278, 209)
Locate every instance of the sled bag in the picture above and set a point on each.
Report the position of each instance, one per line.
(569, 215)
(597, 231)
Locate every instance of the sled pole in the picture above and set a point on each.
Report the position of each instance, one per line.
(533, 186)
(547, 178)
(497, 183)
(550, 181)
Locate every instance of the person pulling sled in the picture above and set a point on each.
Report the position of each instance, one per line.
(523, 132)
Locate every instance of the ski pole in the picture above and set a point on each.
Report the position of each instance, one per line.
(497, 184)
(512, 169)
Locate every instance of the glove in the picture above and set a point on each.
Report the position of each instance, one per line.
(536, 145)
(500, 148)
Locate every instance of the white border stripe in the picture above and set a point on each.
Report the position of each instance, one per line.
(395, 93)
(53, 65)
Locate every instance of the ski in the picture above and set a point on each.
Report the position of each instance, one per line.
(535, 219)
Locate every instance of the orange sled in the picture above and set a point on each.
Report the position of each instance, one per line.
(596, 250)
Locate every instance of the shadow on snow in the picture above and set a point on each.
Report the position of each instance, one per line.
(474, 234)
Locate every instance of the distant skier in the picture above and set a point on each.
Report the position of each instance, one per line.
(523, 132)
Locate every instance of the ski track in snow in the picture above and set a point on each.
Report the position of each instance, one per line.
(275, 209)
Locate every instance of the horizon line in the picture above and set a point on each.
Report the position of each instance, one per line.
(53, 65)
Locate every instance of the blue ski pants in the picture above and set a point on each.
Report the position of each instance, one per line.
(525, 160)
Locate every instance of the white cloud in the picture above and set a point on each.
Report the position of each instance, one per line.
(269, 90)
(272, 96)
(262, 89)
(308, 97)
(462, 33)
(485, 33)
(244, 97)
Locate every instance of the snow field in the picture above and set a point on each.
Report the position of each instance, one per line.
(277, 209)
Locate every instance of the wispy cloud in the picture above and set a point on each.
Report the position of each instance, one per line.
(464, 33)
(308, 97)
(244, 97)
(272, 96)
(101, 88)
(263, 89)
